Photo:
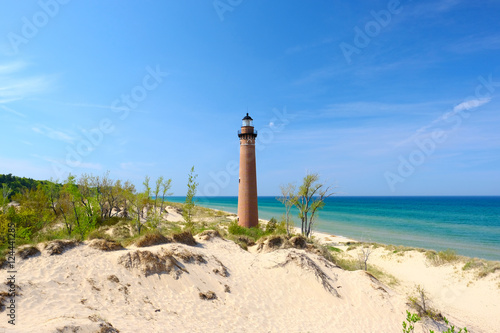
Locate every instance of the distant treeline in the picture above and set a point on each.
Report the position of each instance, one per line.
(21, 184)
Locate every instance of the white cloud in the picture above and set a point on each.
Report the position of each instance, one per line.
(12, 110)
(54, 134)
(15, 86)
(476, 43)
(82, 165)
(11, 67)
(471, 104)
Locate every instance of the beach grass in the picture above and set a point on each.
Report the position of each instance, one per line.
(448, 256)
(481, 267)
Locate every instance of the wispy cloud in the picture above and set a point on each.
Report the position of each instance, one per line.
(54, 134)
(432, 8)
(91, 105)
(12, 110)
(11, 67)
(471, 104)
(466, 105)
(83, 165)
(476, 44)
(14, 85)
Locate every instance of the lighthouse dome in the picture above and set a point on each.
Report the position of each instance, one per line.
(247, 121)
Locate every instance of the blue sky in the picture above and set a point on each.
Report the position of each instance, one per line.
(379, 97)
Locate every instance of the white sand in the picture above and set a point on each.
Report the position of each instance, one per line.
(283, 291)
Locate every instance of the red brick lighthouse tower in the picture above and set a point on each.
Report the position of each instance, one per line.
(248, 215)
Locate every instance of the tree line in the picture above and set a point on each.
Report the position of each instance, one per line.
(19, 184)
(84, 203)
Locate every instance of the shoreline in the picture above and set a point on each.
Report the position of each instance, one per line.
(468, 240)
(329, 239)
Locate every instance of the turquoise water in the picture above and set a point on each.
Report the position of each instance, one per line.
(469, 225)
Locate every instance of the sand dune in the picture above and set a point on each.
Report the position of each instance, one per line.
(216, 286)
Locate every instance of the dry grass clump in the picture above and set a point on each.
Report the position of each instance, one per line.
(272, 243)
(60, 245)
(420, 302)
(209, 234)
(105, 245)
(152, 239)
(107, 328)
(222, 270)
(352, 245)
(306, 263)
(442, 257)
(3, 299)
(149, 263)
(401, 249)
(28, 251)
(104, 327)
(209, 295)
(298, 242)
(483, 267)
(113, 278)
(243, 241)
(185, 237)
(185, 255)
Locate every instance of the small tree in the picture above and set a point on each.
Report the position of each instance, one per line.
(287, 199)
(165, 188)
(52, 191)
(363, 256)
(83, 218)
(159, 181)
(147, 194)
(310, 197)
(5, 196)
(189, 204)
(139, 202)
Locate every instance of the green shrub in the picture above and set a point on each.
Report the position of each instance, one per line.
(110, 221)
(99, 233)
(50, 235)
(333, 249)
(442, 257)
(409, 324)
(271, 225)
(255, 233)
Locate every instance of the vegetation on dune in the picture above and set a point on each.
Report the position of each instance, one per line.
(113, 214)
(87, 207)
(419, 301)
(309, 198)
(189, 204)
(481, 267)
(442, 257)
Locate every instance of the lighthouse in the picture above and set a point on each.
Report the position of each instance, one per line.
(248, 215)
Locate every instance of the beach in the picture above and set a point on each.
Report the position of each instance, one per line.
(216, 286)
(468, 225)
